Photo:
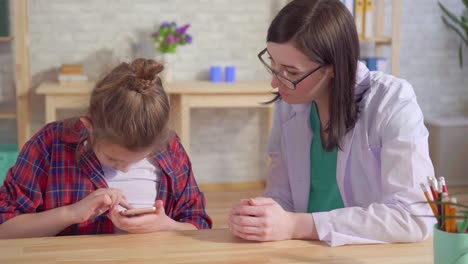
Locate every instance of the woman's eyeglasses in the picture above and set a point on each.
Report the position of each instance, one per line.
(264, 58)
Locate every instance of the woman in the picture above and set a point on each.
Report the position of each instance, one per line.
(348, 147)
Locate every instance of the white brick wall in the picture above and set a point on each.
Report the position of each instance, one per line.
(429, 58)
(78, 31)
(225, 143)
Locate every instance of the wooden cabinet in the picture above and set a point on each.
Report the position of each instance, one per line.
(19, 109)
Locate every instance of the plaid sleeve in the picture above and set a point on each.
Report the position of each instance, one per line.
(21, 191)
(190, 206)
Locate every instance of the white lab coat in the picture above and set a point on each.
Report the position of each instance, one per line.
(383, 160)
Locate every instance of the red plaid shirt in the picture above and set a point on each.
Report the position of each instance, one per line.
(54, 169)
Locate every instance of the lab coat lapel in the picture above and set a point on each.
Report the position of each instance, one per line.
(341, 163)
(298, 137)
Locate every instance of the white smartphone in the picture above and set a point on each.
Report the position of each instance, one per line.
(138, 211)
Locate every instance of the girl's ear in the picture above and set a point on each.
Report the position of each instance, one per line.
(87, 123)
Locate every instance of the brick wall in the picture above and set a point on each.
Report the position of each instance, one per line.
(429, 58)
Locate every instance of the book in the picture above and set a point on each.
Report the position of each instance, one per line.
(71, 73)
(71, 69)
(359, 17)
(368, 18)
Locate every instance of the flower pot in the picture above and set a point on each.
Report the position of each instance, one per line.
(450, 248)
(168, 60)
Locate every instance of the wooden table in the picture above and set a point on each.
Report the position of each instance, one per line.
(209, 246)
(184, 96)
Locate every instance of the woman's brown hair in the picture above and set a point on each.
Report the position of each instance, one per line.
(324, 30)
(128, 107)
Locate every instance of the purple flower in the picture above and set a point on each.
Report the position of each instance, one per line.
(188, 38)
(182, 29)
(171, 38)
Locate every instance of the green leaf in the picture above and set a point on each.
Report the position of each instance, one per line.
(452, 17)
(465, 21)
(456, 30)
(460, 55)
(466, 3)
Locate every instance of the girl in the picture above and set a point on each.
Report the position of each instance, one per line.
(348, 147)
(73, 176)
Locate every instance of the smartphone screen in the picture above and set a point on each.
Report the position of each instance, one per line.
(138, 211)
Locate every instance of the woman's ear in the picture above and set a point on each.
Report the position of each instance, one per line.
(331, 71)
(87, 123)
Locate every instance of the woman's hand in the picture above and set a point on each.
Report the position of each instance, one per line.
(263, 219)
(96, 204)
(146, 223)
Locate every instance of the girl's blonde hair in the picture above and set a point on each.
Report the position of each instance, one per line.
(129, 107)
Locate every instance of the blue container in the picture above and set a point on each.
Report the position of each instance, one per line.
(216, 74)
(377, 64)
(230, 74)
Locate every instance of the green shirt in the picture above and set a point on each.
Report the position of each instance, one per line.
(324, 194)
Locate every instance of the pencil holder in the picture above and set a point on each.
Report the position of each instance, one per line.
(450, 247)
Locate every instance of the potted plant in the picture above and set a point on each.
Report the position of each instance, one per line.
(169, 36)
(458, 25)
(166, 39)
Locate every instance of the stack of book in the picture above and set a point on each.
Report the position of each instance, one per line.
(363, 12)
(71, 73)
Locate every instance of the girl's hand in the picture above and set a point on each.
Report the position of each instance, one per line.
(96, 204)
(261, 219)
(144, 223)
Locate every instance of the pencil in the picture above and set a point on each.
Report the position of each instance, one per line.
(428, 198)
(433, 186)
(445, 214)
(453, 215)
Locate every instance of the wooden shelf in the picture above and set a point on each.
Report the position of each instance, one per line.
(6, 39)
(7, 115)
(7, 110)
(378, 40)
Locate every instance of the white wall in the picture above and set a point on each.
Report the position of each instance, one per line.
(429, 58)
(225, 143)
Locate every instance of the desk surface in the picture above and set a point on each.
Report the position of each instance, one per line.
(176, 87)
(209, 246)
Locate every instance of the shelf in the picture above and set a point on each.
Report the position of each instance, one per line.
(6, 39)
(7, 110)
(7, 115)
(378, 40)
